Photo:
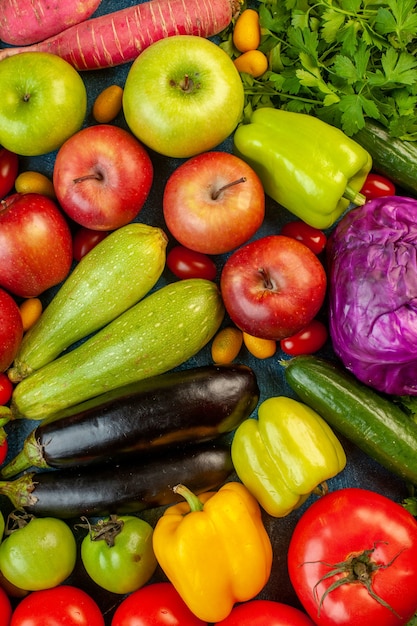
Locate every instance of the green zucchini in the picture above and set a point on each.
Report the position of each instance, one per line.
(394, 158)
(160, 332)
(107, 281)
(371, 421)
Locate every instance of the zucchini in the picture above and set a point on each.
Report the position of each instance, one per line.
(107, 281)
(394, 158)
(371, 421)
(160, 332)
(198, 404)
(128, 486)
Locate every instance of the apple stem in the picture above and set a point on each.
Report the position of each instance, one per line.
(267, 281)
(217, 193)
(81, 179)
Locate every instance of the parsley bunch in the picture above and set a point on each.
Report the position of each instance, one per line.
(344, 61)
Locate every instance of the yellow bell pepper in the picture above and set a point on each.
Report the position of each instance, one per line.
(214, 549)
(285, 454)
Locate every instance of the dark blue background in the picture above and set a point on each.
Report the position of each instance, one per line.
(360, 470)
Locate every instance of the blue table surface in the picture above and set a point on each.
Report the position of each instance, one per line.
(360, 471)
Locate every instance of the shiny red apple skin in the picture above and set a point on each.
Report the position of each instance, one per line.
(11, 329)
(273, 287)
(35, 244)
(102, 177)
(207, 224)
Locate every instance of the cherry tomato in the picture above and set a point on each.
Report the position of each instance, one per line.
(85, 240)
(306, 341)
(265, 613)
(117, 553)
(38, 555)
(352, 560)
(158, 604)
(6, 389)
(9, 164)
(65, 604)
(376, 186)
(186, 263)
(311, 237)
(5, 609)
(4, 448)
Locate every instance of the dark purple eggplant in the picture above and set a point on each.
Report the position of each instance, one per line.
(197, 404)
(126, 486)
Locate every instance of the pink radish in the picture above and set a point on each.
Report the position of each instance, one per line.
(25, 22)
(119, 37)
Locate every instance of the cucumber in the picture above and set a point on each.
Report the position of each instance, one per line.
(394, 158)
(160, 332)
(371, 421)
(107, 281)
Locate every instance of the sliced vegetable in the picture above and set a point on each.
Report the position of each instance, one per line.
(198, 404)
(285, 454)
(214, 549)
(119, 37)
(159, 333)
(119, 487)
(372, 269)
(127, 262)
(309, 167)
(371, 421)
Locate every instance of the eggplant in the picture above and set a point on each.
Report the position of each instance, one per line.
(121, 487)
(197, 404)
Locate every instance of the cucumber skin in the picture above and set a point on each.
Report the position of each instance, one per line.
(372, 422)
(394, 158)
(107, 281)
(160, 332)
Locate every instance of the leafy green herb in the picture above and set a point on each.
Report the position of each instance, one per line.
(344, 61)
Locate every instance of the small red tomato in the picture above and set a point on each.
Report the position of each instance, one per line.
(311, 237)
(186, 263)
(306, 341)
(9, 164)
(377, 186)
(85, 240)
(6, 389)
(4, 447)
(5, 609)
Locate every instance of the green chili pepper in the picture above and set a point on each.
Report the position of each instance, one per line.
(285, 454)
(309, 167)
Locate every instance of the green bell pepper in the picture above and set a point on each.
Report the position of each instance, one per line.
(309, 167)
(285, 454)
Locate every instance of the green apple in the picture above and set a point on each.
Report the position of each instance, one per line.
(183, 95)
(43, 102)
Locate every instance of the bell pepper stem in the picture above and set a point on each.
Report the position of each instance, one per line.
(193, 501)
(353, 196)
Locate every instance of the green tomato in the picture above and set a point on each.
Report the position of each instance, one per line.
(38, 555)
(118, 554)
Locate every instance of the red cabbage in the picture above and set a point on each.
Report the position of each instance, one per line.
(372, 264)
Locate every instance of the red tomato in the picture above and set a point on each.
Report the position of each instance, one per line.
(60, 605)
(9, 164)
(265, 613)
(311, 237)
(352, 560)
(306, 341)
(5, 609)
(157, 604)
(376, 186)
(6, 389)
(85, 240)
(186, 263)
(4, 448)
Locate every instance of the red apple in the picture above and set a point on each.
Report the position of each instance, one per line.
(273, 287)
(213, 203)
(35, 244)
(102, 177)
(11, 330)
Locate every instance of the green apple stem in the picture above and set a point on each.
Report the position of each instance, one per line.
(217, 193)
